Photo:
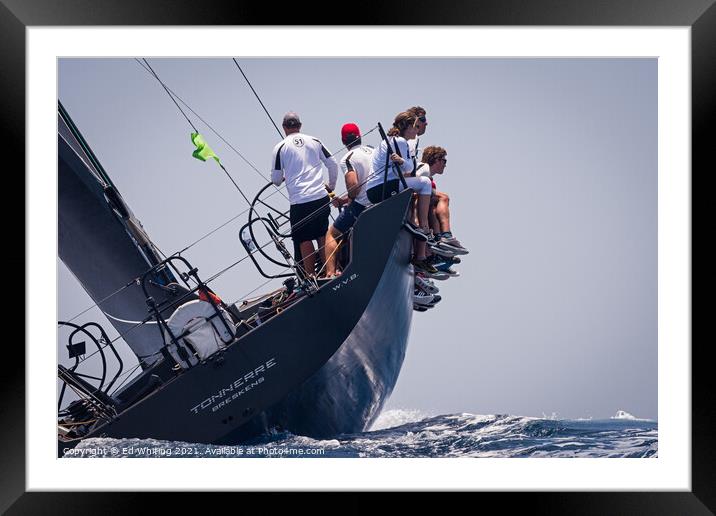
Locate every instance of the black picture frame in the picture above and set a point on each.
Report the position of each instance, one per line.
(700, 15)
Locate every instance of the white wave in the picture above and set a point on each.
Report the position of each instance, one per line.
(397, 417)
(623, 414)
(552, 417)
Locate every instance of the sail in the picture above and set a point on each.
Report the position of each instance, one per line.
(105, 246)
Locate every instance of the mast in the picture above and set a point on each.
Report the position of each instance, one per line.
(105, 246)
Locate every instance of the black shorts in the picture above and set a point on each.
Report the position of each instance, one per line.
(348, 216)
(309, 220)
(392, 187)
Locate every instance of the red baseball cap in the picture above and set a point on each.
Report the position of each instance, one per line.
(349, 133)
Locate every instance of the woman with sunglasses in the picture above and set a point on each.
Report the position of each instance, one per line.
(421, 124)
(399, 155)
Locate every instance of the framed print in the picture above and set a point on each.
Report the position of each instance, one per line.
(639, 263)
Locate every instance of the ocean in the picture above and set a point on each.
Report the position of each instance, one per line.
(411, 433)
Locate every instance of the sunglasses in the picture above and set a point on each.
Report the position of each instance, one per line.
(419, 119)
(444, 160)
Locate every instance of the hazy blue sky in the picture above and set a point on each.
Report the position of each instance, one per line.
(552, 172)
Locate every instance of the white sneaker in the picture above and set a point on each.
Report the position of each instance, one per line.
(426, 285)
(421, 298)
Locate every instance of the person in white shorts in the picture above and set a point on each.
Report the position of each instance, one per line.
(398, 155)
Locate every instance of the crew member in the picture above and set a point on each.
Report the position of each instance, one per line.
(356, 166)
(404, 128)
(433, 163)
(297, 160)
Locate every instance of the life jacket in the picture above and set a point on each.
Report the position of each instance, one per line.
(204, 297)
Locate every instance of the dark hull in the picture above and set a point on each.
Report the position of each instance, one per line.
(347, 394)
(322, 367)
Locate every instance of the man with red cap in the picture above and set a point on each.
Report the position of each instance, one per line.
(356, 166)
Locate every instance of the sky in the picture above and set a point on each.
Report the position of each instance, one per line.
(552, 175)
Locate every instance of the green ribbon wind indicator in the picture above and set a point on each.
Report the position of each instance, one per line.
(203, 151)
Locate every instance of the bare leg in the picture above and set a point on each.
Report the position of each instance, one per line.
(322, 248)
(308, 260)
(331, 250)
(419, 249)
(442, 211)
(434, 223)
(414, 209)
(423, 209)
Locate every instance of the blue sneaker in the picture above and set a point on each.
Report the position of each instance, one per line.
(436, 260)
(445, 267)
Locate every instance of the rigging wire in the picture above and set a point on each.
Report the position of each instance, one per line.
(170, 95)
(280, 135)
(253, 167)
(143, 359)
(278, 189)
(195, 129)
(126, 377)
(219, 162)
(217, 275)
(257, 98)
(298, 225)
(105, 299)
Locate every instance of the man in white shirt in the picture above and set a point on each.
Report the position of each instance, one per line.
(297, 160)
(356, 167)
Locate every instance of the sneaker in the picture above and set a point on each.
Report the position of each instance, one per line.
(423, 266)
(441, 250)
(436, 300)
(419, 308)
(417, 232)
(436, 259)
(444, 266)
(425, 284)
(439, 275)
(452, 244)
(421, 298)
